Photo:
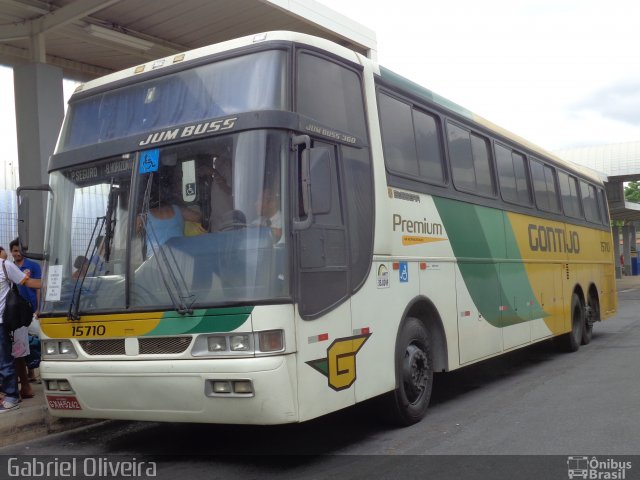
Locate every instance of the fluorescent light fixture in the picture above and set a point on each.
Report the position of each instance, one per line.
(117, 37)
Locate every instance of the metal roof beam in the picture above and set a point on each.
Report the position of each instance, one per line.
(55, 19)
(72, 69)
(71, 12)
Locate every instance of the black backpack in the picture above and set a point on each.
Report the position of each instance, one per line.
(18, 311)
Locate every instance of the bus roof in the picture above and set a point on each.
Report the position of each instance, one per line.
(421, 92)
(221, 47)
(332, 47)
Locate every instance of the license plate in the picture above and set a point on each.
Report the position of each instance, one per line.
(63, 403)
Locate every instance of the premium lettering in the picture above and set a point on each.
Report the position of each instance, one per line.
(416, 226)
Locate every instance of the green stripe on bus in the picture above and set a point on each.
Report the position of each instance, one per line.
(479, 243)
(202, 321)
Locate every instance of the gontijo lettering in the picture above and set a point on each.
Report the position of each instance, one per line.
(549, 239)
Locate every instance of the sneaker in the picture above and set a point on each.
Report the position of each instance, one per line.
(7, 406)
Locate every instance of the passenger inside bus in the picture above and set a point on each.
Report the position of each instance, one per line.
(216, 174)
(269, 215)
(165, 219)
(81, 265)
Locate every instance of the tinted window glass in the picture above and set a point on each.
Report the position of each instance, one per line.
(522, 185)
(506, 174)
(544, 186)
(589, 202)
(604, 207)
(461, 158)
(331, 94)
(359, 193)
(569, 192)
(482, 165)
(512, 172)
(398, 136)
(539, 185)
(552, 191)
(251, 82)
(470, 160)
(428, 147)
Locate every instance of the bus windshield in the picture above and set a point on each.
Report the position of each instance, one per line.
(241, 84)
(195, 224)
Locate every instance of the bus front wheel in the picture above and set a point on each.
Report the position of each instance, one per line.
(408, 403)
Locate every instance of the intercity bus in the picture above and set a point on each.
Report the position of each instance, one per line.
(280, 228)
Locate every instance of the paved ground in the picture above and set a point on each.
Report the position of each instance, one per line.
(32, 420)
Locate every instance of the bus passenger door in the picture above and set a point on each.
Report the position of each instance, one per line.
(322, 254)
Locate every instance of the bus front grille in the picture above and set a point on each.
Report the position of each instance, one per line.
(160, 345)
(146, 346)
(103, 347)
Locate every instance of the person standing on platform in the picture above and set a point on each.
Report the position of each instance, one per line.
(9, 396)
(20, 348)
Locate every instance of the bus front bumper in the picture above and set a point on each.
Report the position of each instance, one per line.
(176, 390)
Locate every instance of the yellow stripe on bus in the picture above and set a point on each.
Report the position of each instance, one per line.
(98, 326)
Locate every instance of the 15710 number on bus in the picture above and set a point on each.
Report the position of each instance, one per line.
(88, 330)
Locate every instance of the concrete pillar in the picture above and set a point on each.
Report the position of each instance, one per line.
(615, 232)
(39, 103)
(626, 248)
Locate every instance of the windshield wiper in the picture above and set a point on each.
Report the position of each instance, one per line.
(169, 277)
(74, 305)
(108, 222)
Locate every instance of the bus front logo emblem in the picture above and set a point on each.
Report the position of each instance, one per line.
(340, 365)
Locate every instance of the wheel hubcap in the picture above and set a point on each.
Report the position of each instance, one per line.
(414, 372)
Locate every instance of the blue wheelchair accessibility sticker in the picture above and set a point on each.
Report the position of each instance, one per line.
(149, 160)
(404, 272)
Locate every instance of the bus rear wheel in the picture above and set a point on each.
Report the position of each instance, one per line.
(592, 315)
(571, 341)
(408, 403)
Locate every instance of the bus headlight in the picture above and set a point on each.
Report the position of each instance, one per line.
(268, 342)
(66, 347)
(240, 343)
(217, 343)
(58, 349)
(50, 347)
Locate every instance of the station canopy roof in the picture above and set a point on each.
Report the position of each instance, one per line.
(618, 163)
(91, 38)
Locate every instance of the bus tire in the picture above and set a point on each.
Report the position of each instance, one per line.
(590, 318)
(570, 342)
(408, 403)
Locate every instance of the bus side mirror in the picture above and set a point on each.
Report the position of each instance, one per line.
(320, 173)
(314, 181)
(25, 218)
(23, 223)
